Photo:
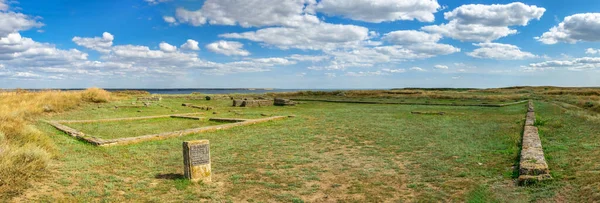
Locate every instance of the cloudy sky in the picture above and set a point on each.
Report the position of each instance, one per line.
(298, 43)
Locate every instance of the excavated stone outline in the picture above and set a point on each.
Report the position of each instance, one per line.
(532, 165)
(234, 122)
(410, 103)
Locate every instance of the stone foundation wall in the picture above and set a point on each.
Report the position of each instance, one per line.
(232, 122)
(252, 103)
(149, 98)
(407, 103)
(532, 165)
(530, 119)
(284, 102)
(257, 103)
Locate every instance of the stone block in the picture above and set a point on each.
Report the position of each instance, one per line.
(532, 161)
(238, 102)
(196, 160)
(284, 102)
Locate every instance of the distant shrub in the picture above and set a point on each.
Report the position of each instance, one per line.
(96, 95)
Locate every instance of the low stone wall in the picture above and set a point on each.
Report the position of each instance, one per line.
(76, 134)
(130, 140)
(149, 98)
(185, 97)
(530, 119)
(230, 120)
(187, 117)
(160, 136)
(284, 102)
(207, 108)
(252, 103)
(532, 165)
(530, 107)
(123, 119)
(217, 97)
(427, 113)
(409, 103)
(257, 103)
(130, 106)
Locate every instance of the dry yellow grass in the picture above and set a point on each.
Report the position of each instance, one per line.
(24, 150)
(96, 95)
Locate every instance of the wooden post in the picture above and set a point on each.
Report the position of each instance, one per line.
(196, 160)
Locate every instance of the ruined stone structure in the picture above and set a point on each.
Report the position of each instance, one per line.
(230, 123)
(532, 166)
(284, 102)
(252, 103)
(217, 97)
(149, 98)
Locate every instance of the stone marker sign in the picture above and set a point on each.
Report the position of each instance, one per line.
(196, 160)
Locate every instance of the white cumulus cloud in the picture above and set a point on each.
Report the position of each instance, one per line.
(441, 67)
(101, 44)
(578, 27)
(166, 47)
(169, 19)
(365, 73)
(229, 48)
(592, 51)
(408, 37)
(485, 23)
(249, 13)
(3, 5)
(495, 15)
(310, 58)
(418, 69)
(11, 22)
(313, 36)
(577, 64)
(399, 70)
(377, 11)
(500, 51)
(190, 44)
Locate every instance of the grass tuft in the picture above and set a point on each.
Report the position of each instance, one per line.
(96, 95)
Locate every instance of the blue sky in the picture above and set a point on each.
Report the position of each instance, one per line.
(298, 43)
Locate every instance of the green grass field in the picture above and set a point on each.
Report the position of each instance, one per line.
(331, 152)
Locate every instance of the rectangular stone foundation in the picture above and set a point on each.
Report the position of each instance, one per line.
(235, 122)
